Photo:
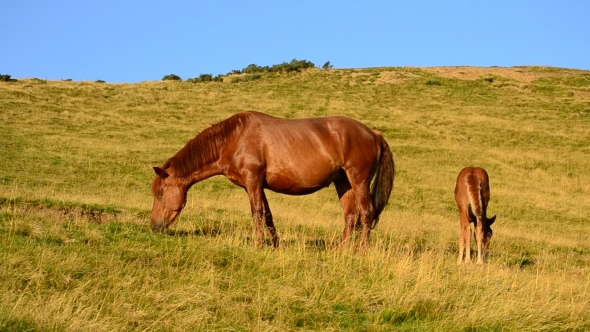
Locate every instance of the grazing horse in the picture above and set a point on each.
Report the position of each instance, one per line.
(290, 156)
(472, 194)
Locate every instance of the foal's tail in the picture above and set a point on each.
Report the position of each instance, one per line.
(383, 184)
(474, 192)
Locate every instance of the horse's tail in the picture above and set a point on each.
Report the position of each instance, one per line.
(474, 192)
(383, 184)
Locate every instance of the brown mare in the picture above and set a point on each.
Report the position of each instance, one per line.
(472, 194)
(295, 157)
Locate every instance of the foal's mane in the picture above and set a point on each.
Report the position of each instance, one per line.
(205, 147)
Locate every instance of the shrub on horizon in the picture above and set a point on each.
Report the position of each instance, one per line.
(285, 67)
(6, 78)
(171, 77)
(254, 68)
(206, 78)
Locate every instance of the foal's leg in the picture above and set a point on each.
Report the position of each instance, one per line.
(464, 238)
(270, 226)
(479, 240)
(348, 203)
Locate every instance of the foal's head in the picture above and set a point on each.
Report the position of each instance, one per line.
(169, 199)
(487, 230)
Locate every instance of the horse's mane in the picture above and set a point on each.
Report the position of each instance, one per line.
(205, 147)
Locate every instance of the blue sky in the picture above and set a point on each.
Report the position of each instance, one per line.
(134, 41)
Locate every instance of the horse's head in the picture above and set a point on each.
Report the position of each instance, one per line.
(169, 199)
(487, 231)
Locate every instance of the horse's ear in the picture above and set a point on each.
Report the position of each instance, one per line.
(160, 172)
(491, 220)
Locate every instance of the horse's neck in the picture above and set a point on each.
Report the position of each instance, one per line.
(206, 154)
(204, 172)
(198, 160)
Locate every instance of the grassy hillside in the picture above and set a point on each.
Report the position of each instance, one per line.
(76, 252)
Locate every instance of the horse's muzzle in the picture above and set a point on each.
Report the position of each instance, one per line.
(158, 226)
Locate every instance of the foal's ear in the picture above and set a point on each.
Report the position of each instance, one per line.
(491, 220)
(162, 173)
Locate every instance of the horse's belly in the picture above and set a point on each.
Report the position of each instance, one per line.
(299, 183)
(301, 161)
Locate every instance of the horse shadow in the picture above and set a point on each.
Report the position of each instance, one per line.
(213, 231)
(204, 231)
(309, 244)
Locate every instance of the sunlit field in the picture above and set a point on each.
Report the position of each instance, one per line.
(77, 253)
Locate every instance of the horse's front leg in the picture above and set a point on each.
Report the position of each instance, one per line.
(270, 226)
(255, 195)
(257, 217)
(261, 212)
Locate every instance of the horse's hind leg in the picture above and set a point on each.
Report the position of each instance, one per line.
(367, 213)
(360, 186)
(349, 207)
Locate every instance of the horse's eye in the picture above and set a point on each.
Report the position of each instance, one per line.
(160, 193)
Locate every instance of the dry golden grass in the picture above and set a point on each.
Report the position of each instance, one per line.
(76, 252)
(519, 74)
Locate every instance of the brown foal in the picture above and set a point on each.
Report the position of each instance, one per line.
(472, 194)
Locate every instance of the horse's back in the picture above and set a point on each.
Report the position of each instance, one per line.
(304, 155)
(334, 134)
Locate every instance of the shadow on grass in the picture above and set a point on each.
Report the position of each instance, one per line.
(310, 244)
(520, 262)
(215, 229)
(205, 231)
